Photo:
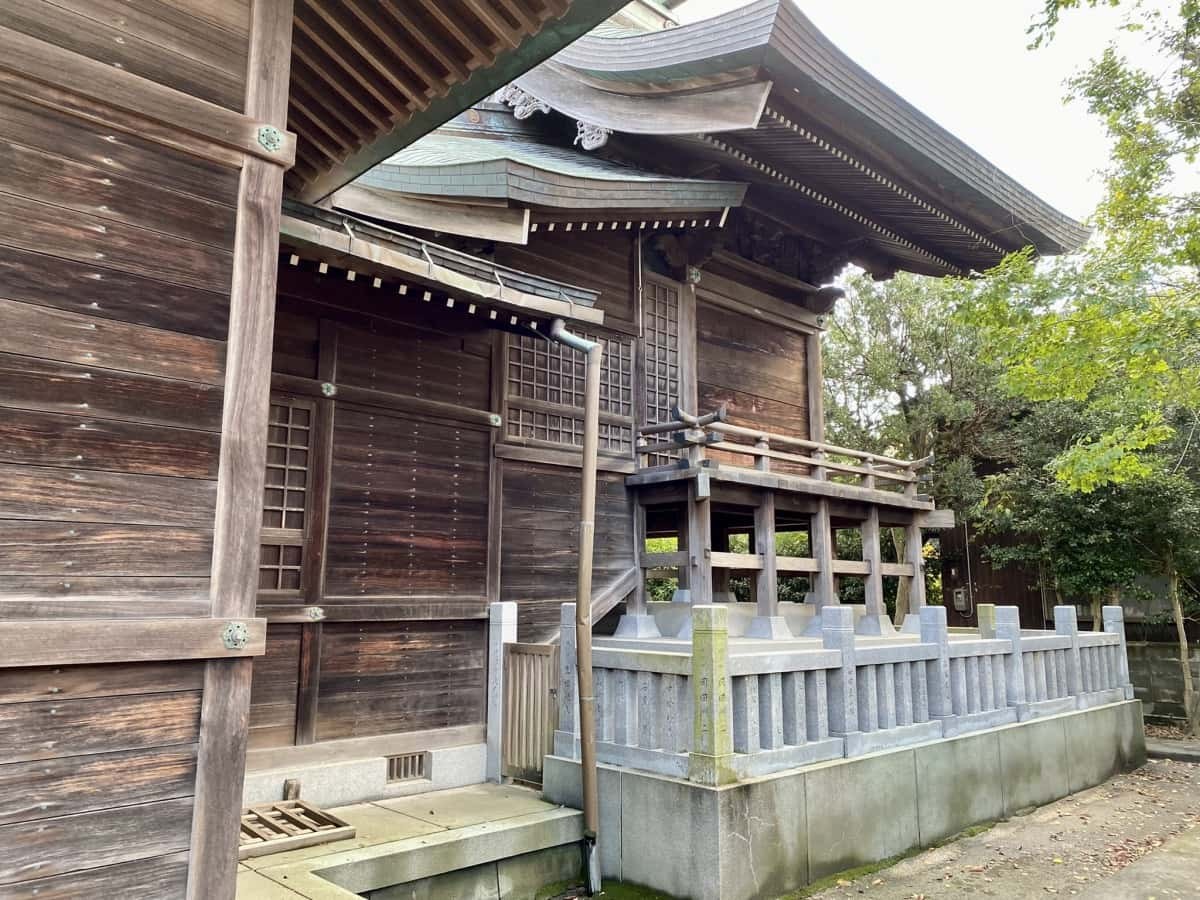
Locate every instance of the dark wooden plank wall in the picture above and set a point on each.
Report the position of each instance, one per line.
(604, 262)
(540, 540)
(116, 258)
(758, 371)
(403, 577)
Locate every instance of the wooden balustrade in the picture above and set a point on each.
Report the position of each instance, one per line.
(711, 431)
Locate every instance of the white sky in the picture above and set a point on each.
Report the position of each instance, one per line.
(965, 64)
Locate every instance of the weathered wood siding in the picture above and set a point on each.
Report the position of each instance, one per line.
(540, 541)
(118, 250)
(391, 543)
(757, 370)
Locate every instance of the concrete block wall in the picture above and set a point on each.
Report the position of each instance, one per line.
(770, 835)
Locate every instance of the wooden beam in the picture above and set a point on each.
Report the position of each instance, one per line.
(311, 387)
(73, 642)
(493, 223)
(720, 559)
(29, 58)
(225, 709)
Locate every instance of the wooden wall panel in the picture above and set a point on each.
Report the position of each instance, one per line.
(273, 690)
(603, 262)
(155, 876)
(541, 534)
(758, 372)
(385, 677)
(202, 63)
(408, 507)
(116, 265)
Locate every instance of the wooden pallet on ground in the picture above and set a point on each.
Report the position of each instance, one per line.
(288, 825)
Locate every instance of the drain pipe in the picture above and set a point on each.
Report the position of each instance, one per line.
(583, 595)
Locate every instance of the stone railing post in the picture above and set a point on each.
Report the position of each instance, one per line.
(566, 737)
(1008, 627)
(985, 615)
(711, 757)
(1066, 622)
(502, 629)
(1114, 623)
(937, 670)
(837, 633)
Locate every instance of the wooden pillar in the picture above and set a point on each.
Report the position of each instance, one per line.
(816, 387)
(225, 709)
(916, 591)
(720, 576)
(637, 623)
(698, 525)
(767, 622)
(823, 593)
(875, 620)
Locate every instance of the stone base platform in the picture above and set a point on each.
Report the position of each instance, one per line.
(767, 836)
(488, 842)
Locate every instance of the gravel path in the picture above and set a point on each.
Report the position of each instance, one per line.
(1069, 847)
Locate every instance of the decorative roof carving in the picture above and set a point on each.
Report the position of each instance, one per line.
(523, 103)
(591, 137)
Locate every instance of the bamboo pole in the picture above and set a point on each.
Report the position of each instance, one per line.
(583, 596)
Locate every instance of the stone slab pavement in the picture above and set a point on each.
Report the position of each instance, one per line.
(1179, 750)
(1135, 836)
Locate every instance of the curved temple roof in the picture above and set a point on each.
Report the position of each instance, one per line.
(833, 146)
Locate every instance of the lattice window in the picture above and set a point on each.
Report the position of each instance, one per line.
(285, 494)
(660, 330)
(546, 387)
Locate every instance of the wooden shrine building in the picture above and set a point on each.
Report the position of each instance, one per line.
(283, 419)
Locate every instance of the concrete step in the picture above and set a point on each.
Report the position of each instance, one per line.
(488, 842)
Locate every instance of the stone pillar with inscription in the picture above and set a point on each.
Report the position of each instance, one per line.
(712, 733)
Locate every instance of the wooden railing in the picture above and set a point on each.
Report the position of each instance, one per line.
(695, 435)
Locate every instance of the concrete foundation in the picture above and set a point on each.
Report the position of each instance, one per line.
(774, 834)
(357, 780)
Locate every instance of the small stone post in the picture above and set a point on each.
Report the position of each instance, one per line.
(1066, 622)
(1008, 627)
(1114, 623)
(502, 629)
(837, 633)
(985, 615)
(711, 757)
(566, 736)
(937, 670)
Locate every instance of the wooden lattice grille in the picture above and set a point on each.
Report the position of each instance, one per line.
(660, 329)
(285, 495)
(546, 386)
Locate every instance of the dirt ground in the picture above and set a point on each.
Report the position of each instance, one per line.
(1069, 847)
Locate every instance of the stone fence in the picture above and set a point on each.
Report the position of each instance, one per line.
(719, 714)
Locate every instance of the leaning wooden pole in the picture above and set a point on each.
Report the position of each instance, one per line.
(583, 595)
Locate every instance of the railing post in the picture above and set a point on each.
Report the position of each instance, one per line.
(1008, 627)
(566, 737)
(985, 616)
(1066, 622)
(1114, 623)
(711, 757)
(502, 629)
(937, 670)
(837, 633)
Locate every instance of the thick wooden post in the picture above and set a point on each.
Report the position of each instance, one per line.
(699, 547)
(913, 543)
(875, 620)
(637, 623)
(225, 711)
(767, 621)
(823, 593)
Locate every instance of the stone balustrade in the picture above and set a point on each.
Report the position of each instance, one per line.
(716, 713)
